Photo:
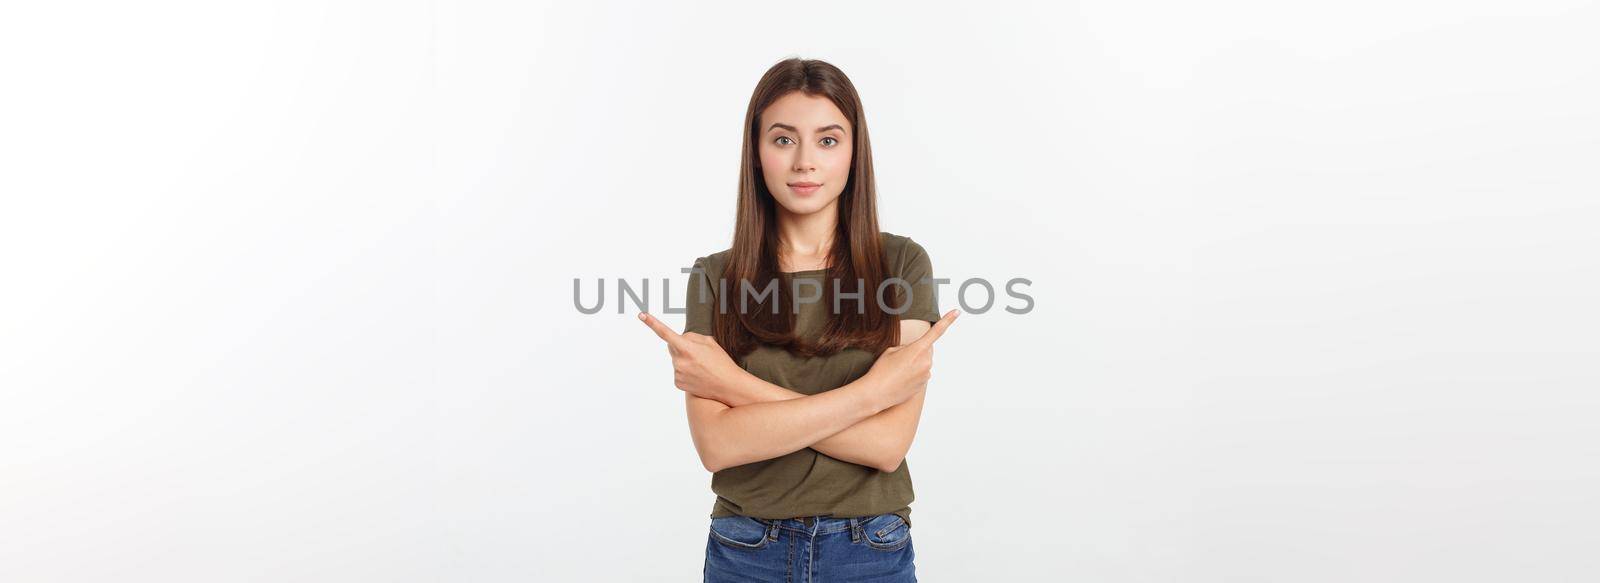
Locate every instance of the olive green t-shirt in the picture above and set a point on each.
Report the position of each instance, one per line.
(808, 482)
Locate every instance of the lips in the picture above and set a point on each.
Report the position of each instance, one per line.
(804, 188)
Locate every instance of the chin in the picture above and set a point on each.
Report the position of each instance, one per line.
(803, 207)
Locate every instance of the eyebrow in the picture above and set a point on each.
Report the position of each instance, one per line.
(791, 128)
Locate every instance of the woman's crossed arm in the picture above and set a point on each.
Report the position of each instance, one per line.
(737, 418)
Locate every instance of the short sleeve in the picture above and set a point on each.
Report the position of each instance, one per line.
(916, 269)
(699, 300)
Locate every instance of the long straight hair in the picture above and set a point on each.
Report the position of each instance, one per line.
(859, 323)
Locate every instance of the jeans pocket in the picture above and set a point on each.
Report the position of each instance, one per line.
(886, 532)
(740, 532)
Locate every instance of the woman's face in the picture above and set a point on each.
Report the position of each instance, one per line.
(805, 152)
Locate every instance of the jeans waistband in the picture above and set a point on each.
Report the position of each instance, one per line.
(817, 524)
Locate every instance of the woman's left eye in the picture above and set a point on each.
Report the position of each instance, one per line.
(829, 142)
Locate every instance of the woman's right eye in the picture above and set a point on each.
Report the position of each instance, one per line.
(781, 141)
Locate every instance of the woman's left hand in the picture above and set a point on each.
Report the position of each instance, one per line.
(700, 366)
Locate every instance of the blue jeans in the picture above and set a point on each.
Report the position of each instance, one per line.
(812, 549)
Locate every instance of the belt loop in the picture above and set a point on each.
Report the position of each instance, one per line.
(855, 529)
(772, 530)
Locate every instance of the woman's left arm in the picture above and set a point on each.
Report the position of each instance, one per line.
(880, 441)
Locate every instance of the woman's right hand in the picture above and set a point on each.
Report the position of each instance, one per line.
(903, 370)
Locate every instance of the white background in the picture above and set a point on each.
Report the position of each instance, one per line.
(286, 288)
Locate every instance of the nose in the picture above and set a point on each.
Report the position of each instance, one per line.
(803, 159)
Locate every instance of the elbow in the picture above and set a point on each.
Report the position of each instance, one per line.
(711, 464)
(891, 460)
(716, 458)
(712, 458)
(708, 445)
(891, 465)
(708, 460)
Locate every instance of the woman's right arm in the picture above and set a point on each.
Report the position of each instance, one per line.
(731, 436)
(727, 436)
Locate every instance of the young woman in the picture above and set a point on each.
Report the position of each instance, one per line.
(807, 350)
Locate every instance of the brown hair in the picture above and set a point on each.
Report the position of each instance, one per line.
(754, 255)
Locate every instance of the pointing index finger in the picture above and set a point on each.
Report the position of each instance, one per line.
(939, 327)
(665, 332)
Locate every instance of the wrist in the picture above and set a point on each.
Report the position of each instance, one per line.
(875, 394)
(733, 387)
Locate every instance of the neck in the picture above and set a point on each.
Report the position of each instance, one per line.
(808, 235)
